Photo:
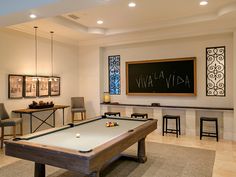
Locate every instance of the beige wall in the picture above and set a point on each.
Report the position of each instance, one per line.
(17, 56)
(83, 70)
(234, 86)
(89, 78)
(185, 47)
(177, 48)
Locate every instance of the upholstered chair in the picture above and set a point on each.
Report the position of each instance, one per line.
(77, 106)
(6, 121)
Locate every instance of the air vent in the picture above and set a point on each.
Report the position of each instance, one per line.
(74, 17)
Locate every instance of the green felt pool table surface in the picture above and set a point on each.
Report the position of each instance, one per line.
(92, 134)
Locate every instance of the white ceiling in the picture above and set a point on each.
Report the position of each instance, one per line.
(117, 16)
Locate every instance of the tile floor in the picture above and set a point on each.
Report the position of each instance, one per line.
(225, 161)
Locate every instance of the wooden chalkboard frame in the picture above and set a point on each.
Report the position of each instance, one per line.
(162, 60)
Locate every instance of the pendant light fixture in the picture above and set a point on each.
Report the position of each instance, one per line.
(52, 77)
(36, 53)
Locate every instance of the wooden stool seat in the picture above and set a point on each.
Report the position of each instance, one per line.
(165, 128)
(142, 115)
(112, 114)
(205, 133)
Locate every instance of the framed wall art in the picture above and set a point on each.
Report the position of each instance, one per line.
(55, 86)
(215, 71)
(30, 86)
(43, 86)
(15, 86)
(114, 74)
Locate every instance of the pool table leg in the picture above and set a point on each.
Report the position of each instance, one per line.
(39, 170)
(141, 151)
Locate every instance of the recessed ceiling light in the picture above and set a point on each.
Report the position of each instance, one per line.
(203, 2)
(132, 4)
(99, 22)
(33, 16)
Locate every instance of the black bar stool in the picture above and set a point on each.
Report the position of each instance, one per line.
(165, 128)
(142, 115)
(112, 114)
(208, 134)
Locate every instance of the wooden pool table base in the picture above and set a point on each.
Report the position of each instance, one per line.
(39, 170)
(142, 158)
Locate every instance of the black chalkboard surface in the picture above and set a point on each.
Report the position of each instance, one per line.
(161, 77)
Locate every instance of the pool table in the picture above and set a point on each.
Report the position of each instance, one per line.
(83, 147)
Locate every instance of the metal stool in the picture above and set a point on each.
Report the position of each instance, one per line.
(112, 114)
(165, 128)
(142, 115)
(208, 134)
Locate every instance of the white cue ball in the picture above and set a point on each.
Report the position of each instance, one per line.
(77, 135)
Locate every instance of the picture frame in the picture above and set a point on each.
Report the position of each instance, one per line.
(216, 71)
(30, 87)
(55, 87)
(15, 86)
(43, 85)
(114, 74)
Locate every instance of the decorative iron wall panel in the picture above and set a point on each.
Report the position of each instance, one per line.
(114, 74)
(215, 71)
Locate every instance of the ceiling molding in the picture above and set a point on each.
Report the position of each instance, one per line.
(223, 11)
(216, 18)
(69, 24)
(226, 10)
(76, 26)
(44, 35)
(45, 9)
(183, 31)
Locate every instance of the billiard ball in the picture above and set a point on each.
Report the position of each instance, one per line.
(77, 135)
(111, 124)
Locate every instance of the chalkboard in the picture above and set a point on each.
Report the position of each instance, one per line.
(175, 77)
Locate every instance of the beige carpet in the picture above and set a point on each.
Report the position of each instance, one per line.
(163, 161)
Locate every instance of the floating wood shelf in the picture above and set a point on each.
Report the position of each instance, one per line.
(166, 106)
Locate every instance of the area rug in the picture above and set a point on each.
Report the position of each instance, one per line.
(163, 161)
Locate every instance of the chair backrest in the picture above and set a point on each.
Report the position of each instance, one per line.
(3, 112)
(77, 102)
